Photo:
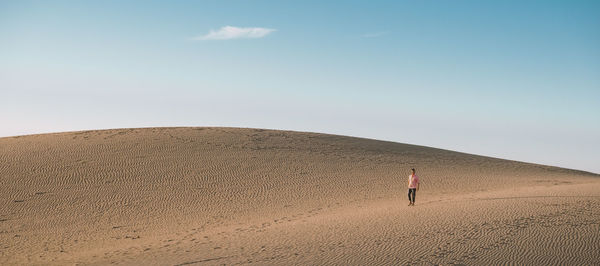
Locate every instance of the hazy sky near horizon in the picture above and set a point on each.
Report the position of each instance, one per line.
(511, 79)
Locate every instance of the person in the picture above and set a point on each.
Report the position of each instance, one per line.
(413, 187)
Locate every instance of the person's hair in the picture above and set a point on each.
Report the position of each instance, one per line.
(413, 170)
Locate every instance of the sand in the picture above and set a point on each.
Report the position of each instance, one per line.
(179, 196)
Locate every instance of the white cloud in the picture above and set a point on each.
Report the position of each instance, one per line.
(230, 32)
(375, 34)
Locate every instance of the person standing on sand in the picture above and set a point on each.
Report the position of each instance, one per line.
(413, 186)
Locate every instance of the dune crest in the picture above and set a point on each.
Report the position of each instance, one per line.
(236, 196)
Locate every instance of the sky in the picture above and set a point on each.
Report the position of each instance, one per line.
(518, 80)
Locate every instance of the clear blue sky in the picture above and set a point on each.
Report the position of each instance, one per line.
(510, 79)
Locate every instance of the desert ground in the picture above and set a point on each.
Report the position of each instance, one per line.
(181, 196)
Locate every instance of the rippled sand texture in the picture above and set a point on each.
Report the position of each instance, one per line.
(246, 196)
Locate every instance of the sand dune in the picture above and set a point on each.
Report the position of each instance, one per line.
(248, 196)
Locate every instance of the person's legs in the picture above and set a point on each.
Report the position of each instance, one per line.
(411, 195)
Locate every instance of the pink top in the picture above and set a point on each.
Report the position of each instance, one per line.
(413, 181)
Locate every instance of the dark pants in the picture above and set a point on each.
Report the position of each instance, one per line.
(412, 193)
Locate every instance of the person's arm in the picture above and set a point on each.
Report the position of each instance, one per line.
(418, 184)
